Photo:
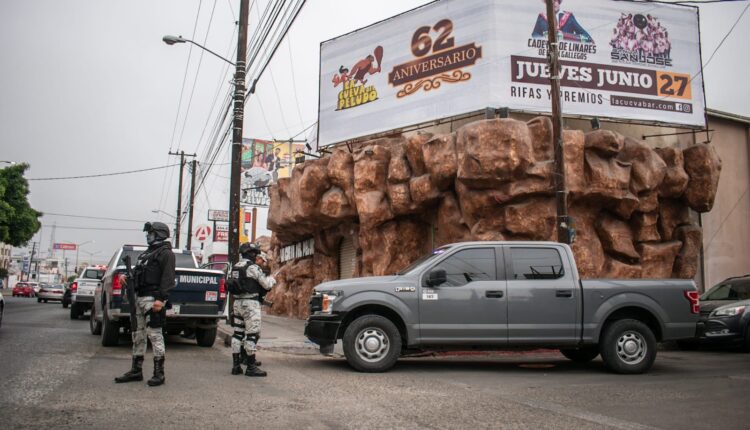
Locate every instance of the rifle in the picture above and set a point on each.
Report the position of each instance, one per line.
(130, 291)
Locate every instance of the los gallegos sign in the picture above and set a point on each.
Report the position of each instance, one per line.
(636, 61)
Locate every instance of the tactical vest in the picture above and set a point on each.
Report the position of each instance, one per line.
(149, 271)
(244, 285)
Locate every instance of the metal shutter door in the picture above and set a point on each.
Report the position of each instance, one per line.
(347, 258)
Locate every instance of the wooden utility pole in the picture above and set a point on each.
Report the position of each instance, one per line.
(179, 198)
(239, 111)
(561, 190)
(193, 168)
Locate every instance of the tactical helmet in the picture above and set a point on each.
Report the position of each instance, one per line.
(249, 250)
(158, 228)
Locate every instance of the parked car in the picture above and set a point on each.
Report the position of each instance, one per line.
(23, 289)
(50, 292)
(725, 313)
(495, 295)
(36, 286)
(195, 304)
(83, 288)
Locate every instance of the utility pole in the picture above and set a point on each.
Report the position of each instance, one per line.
(239, 111)
(31, 260)
(193, 168)
(561, 191)
(179, 197)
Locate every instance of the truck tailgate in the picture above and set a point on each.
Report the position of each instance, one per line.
(197, 292)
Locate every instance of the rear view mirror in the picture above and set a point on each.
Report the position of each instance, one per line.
(436, 277)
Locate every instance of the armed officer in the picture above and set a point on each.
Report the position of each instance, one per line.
(154, 276)
(250, 281)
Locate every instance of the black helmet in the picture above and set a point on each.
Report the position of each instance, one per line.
(249, 250)
(158, 228)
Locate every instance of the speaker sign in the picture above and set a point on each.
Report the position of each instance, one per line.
(634, 61)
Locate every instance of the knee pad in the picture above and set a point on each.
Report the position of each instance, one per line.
(252, 337)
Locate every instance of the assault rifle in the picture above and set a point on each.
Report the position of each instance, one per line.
(130, 291)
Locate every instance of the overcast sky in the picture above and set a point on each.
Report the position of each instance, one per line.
(88, 87)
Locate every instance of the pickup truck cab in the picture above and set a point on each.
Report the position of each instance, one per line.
(496, 295)
(83, 288)
(195, 304)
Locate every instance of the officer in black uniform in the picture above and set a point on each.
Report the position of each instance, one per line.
(249, 282)
(154, 277)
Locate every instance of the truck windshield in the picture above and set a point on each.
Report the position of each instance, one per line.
(423, 261)
(185, 261)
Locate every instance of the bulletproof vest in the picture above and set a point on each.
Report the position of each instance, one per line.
(148, 270)
(245, 284)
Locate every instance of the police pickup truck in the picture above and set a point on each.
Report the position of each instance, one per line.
(196, 304)
(496, 295)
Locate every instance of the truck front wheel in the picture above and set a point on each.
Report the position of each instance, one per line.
(581, 355)
(110, 331)
(372, 343)
(628, 346)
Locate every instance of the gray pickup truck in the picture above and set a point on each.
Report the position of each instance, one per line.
(497, 295)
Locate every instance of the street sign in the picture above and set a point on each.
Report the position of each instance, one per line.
(66, 246)
(218, 215)
(202, 233)
(26, 264)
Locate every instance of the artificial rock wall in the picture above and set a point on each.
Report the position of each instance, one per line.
(492, 180)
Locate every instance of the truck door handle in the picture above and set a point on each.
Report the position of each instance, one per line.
(563, 293)
(493, 294)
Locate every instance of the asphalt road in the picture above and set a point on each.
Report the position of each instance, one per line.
(54, 374)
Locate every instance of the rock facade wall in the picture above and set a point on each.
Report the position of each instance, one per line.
(492, 180)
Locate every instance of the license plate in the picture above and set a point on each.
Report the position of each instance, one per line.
(212, 296)
(174, 311)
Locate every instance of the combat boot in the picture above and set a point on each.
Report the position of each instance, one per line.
(158, 377)
(252, 367)
(135, 373)
(236, 368)
(244, 357)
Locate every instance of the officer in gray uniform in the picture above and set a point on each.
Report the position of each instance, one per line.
(154, 276)
(249, 283)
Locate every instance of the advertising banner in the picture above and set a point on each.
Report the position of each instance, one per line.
(622, 60)
(221, 233)
(263, 163)
(65, 246)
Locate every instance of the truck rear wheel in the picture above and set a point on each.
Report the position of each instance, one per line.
(75, 311)
(581, 355)
(205, 336)
(110, 331)
(372, 343)
(628, 346)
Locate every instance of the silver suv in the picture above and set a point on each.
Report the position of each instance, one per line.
(82, 290)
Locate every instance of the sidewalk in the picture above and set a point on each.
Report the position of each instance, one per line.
(278, 334)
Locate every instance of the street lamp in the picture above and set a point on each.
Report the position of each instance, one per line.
(78, 247)
(91, 254)
(237, 123)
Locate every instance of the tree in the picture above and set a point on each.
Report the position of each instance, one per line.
(18, 221)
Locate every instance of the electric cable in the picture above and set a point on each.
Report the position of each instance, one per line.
(99, 175)
(44, 213)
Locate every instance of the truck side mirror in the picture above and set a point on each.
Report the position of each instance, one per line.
(436, 277)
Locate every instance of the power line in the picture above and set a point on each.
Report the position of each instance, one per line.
(103, 174)
(44, 213)
(69, 227)
(726, 36)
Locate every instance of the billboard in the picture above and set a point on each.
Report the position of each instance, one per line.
(221, 233)
(218, 215)
(263, 163)
(65, 246)
(636, 61)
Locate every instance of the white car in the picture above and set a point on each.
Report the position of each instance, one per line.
(82, 290)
